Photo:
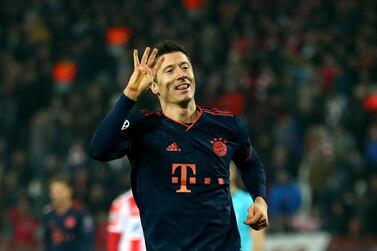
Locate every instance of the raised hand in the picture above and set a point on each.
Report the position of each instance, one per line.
(144, 73)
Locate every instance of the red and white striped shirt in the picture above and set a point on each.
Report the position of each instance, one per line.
(124, 227)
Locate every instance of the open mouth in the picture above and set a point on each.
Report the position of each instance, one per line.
(181, 87)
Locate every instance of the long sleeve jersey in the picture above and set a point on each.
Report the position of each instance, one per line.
(180, 173)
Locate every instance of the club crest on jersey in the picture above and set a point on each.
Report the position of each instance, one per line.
(70, 222)
(219, 146)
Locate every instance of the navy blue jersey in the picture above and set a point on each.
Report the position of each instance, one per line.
(71, 231)
(180, 173)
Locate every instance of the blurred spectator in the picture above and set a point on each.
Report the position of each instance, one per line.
(371, 204)
(101, 237)
(23, 226)
(318, 165)
(371, 149)
(284, 202)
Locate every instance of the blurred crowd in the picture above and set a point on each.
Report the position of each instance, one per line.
(302, 74)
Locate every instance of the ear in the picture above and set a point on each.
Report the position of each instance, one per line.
(154, 88)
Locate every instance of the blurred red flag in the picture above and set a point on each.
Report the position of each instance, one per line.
(64, 73)
(192, 5)
(118, 36)
(370, 103)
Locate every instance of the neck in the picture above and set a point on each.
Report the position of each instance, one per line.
(63, 206)
(184, 113)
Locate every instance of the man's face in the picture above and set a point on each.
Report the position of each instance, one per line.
(175, 82)
(60, 192)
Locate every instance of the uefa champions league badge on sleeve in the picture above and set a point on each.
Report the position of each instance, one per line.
(125, 125)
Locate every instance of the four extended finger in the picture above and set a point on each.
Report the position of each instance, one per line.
(136, 58)
(145, 56)
(158, 64)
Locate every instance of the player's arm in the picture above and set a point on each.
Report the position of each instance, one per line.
(258, 239)
(107, 142)
(253, 176)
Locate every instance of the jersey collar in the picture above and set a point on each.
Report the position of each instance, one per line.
(188, 127)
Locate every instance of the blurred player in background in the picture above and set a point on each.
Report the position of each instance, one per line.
(251, 240)
(124, 227)
(67, 225)
(180, 157)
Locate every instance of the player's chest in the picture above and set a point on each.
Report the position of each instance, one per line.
(196, 143)
(67, 223)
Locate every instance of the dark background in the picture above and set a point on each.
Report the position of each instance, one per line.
(302, 74)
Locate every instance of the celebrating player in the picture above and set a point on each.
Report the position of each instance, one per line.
(180, 157)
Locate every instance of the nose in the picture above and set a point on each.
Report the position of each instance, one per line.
(182, 75)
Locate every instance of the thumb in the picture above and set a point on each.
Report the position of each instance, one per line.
(250, 214)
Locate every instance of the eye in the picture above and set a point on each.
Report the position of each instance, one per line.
(185, 67)
(168, 70)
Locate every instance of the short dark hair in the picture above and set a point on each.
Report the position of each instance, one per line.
(168, 46)
(61, 178)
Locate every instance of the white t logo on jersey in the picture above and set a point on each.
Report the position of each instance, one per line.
(125, 125)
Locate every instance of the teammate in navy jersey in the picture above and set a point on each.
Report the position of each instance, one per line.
(180, 157)
(67, 225)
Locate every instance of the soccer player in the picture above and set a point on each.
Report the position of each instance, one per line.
(180, 157)
(251, 240)
(124, 227)
(67, 226)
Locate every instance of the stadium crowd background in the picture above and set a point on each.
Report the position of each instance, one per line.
(303, 74)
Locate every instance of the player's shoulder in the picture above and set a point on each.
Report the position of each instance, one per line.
(142, 116)
(78, 208)
(138, 120)
(148, 115)
(217, 112)
(222, 116)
